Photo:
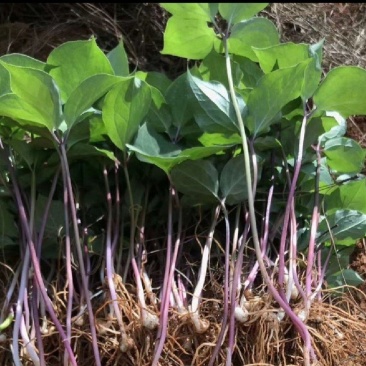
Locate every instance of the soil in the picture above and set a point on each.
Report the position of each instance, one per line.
(35, 29)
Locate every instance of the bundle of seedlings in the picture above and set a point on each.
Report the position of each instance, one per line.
(206, 220)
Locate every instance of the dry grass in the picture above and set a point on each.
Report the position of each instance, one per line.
(342, 25)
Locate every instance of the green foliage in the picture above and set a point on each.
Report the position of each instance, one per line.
(188, 128)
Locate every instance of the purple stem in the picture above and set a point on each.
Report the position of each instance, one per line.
(164, 307)
(37, 270)
(226, 289)
(66, 172)
(289, 204)
(313, 230)
(109, 262)
(68, 266)
(236, 279)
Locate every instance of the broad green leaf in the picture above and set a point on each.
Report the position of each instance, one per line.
(7, 223)
(344, 277)
(236, 12)
(55, 220)
(86, 94)
(156, 79)
(214, 8)
(85, 151)
(159, 115)
(214, 139)
(343, 90)
(346, 225)
(348, 196)
(178, 98)
(266, 143)
(216, 112)
(256, 32)
(233, 182)
(290, 54)
(18, 59)
(25, 151)
(198, 179)
(124, 108)
(197, 11)
(38, 90)
(151, 147)
(73, 62)
(213, 68)
(4, 81)
(344, 155)
(17, 126)
(250, 70)
(200, 152)
(272, 93)
(281, 55)
(316, 51)
(308, 175)
(188, 38)
(119, 61)
(97, 129)
(312, 78)
(339, 258)
(79, 133)
(334, 125)
(24, 113)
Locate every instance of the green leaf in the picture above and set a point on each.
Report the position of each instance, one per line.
(266, 143)
(151, 147)
(178, 99)
(236, 12)
(188, 38)
(73, 62)
(213, 68)
(55, 220)
(282, 55)
(5, 80)
(124, 108)
(119, 61)
(343, 90)
(250, 70)
(18, 59)
(348, 196)
(217, 113)
(343, 278)
(346, 225)
(24, 113)
(159, 116)
(198, 179)
(156, 79)
(37, 90)
(272, 93)
(256, 32)
(86, 94)
(214, 139)
(344, 155)
(97, 129)
(334, 125)
(7, 223)
(197, 11)
(233, 182)
(25, 151)
(85, 151)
